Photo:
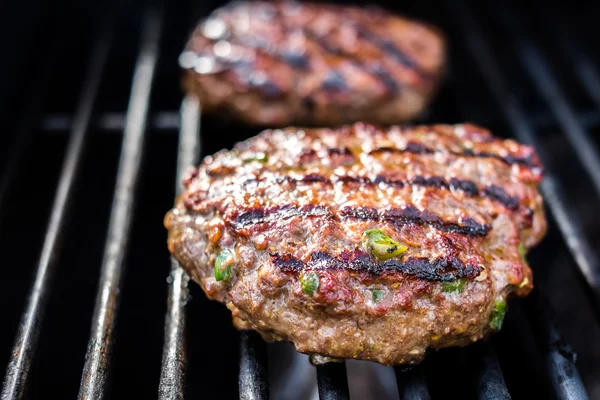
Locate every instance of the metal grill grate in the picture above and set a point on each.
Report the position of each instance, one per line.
(471, 40)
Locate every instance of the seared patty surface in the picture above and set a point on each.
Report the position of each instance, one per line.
(361, 242)
(283, 63)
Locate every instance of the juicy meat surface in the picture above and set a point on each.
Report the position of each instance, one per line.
(288, 213)
(282, 63)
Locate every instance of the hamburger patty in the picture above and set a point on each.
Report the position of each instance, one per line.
(287, 63)
(362, 242)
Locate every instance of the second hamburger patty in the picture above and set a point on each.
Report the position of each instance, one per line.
(287, 63)
(360, 242)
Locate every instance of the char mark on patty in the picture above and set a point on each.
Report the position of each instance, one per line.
(418, 148)
(396, 216)
(496, 193)
(412, 215)
(492, 192)
(437, 269)
(260, 215)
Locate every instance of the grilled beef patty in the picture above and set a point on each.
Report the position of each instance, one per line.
(362, 242)
(284, 63)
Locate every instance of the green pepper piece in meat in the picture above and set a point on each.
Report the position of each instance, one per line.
(497, 316)
(522, 251)
(309, 282)
(223, 265)
(377, 295)
(260, 157)
(382, 246)
(454, 286)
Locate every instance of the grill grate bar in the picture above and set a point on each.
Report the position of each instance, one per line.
(30, 325)
(412, 384)
(489, 380)
(172, 382)
(547, 85)
(559, 357)
(565, 216)
(253, 381)
(95, 372)
(113, 122)
(333, 381)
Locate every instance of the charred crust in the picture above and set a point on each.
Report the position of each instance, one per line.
(492, 192)
(411, 214)
(397, 216)
(418, 148)
(258, 215)
(470, 188)
(438, 269)
(497, 193)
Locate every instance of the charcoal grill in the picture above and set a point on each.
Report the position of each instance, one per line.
(101, 172)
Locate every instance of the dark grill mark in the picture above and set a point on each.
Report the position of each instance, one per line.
(310, 178)
(466, 186)
(260, 215)
(390, 49)
(496, 193)
(434, 181)
(379, 73)
(492, 192)
(286, 262)
(417, 148)
(384, 76)
(341, 151)
(362, 213)
(526, 161)
(396, 216)
(438, 269)
(413, 215)
(337, 155)
(296, 59)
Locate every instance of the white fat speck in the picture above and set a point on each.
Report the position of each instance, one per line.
(414, 351)
(199, 221)
(214, 28)
(205, 65)
(326, 332)
(188, 59)
(222, 48)
(431, 315)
